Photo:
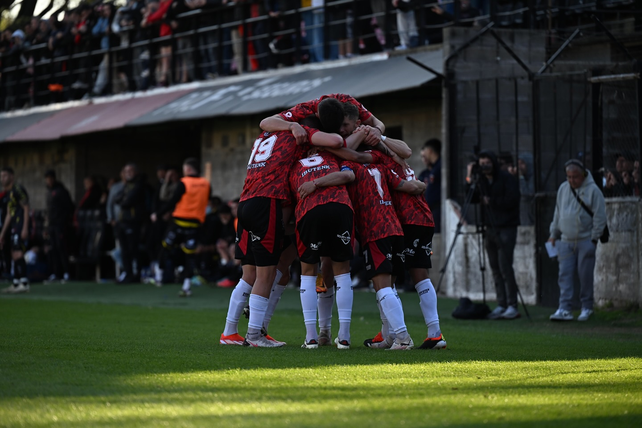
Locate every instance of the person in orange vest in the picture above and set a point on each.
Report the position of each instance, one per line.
(188, 205)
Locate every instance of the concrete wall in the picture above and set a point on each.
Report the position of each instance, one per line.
(463, 277)
(618, 267)
(31, 160)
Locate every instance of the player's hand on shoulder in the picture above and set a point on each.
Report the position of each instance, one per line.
(299, 133)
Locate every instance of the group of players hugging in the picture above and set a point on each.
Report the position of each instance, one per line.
(323, 180)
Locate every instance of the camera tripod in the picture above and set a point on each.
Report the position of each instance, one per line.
(481, 236)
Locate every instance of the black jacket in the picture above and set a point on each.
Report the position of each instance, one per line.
(60, 207)
(504, 194)
(132, 202)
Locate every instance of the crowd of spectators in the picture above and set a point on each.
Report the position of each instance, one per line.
(108, 212)
(45, 66)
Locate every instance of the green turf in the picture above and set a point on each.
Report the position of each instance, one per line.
(80, 355)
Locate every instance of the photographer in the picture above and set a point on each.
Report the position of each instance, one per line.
(498, 193)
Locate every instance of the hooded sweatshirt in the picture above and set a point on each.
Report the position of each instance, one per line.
(571, 222)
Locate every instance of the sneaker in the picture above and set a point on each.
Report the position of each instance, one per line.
(226, 283)
(561, 315)
(232, 339)
(53, 279)
(497, 313)
(384, 344)
(262, 342)
(16, 289)
(436, 343)
(324, 338)
(405, 345)
(341, 344)
(271, 339)
(184, 293)
(321, 287)
(378, 338)
(312, 344)
(510, 313)
(585, 315)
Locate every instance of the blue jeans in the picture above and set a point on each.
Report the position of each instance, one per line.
(576, 256)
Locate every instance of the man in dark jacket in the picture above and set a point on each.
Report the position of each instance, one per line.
(60, 211)
(132, 214)
(498, 193)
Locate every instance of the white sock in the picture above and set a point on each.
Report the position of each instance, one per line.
(344, 304)
(275, 297)
(391, 307)
(428, 305)
(325, 303)
(158, 273)
(187, 282)
(385, 325)
(309, 306)
(238, 299)
(258, 306)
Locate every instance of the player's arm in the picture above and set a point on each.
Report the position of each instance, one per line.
(397, 146)
(5, 226)
(352, 155)
(376, 129)
(356, 138)
(337, 178)
(414, 187)
(277, 123)
(323, 139)
(25, 223)
(169, 205)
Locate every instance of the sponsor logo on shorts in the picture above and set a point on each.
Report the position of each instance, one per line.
(415, 243)
(254, 237)
(389, 256)
(314, 246)
(344, 237)
(428, 248)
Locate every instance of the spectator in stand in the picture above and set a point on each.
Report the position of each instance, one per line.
(431, 155)
(636, 178)
(16, 89)
(406, 24)
(93, 193)
(81, 32)
(130, 221)
(158, 17)
(60, 211)
(126, 26)
(59, 45)
(102, 30)
(621, 182)
(314, 20)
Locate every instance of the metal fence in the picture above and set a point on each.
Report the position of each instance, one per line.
(226, 40)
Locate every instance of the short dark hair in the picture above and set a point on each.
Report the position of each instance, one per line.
(50, 173)
(8, 169)
(225, 209)
(433, 144)
(312, 122)
(194, 163)
(331, 114)
(350, 111)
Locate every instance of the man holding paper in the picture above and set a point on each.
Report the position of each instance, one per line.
(578, 224)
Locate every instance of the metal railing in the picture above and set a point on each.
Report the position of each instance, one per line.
(227, 40)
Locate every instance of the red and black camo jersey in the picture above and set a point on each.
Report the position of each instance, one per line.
(268, 169)
(411, 209)
(375, 216)
(303, 110)
(309, 169)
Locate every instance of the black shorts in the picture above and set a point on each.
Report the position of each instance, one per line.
(417, 246)
(182, 235)
(17, 243)
(260, 232)
(383, 256)
(325, 231)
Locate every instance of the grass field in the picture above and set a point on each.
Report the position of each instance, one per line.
(80, 354)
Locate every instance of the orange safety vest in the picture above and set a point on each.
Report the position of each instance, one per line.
(193, 203)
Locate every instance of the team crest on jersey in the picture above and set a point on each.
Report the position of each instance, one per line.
(316, 246)
(344, 237)
(288, 115)
(254, 237)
